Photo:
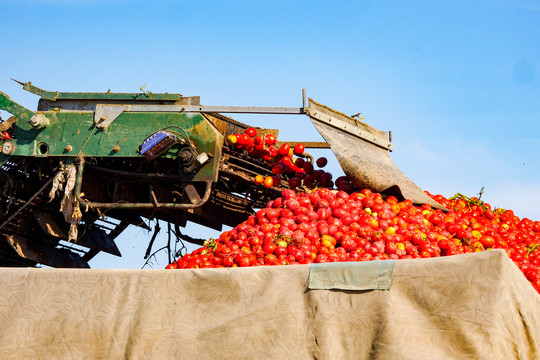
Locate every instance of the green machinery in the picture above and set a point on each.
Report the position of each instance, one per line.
(84, 159)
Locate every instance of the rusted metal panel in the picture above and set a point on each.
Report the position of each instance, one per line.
(307, 144)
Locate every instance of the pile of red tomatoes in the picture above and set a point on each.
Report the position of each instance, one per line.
(328, 225)
(313, 222)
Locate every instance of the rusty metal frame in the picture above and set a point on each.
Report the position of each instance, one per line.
(152, 205)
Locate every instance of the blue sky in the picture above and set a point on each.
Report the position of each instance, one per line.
(457, 82)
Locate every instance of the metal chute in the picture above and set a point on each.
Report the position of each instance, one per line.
(362, 152)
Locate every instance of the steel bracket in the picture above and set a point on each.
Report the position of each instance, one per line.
(106, 114)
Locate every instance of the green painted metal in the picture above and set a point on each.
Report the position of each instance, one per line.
(72, 134)
(55, 95)
(14, 108)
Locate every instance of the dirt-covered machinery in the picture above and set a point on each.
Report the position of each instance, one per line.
(78, 171)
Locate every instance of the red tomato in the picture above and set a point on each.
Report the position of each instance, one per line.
(487, 241)
(244, 261)
(284, 149)
(272, 151)
(251, 131)
(243, 139)
(270, 139)
(321, 258)
(299, 149)
(270, 259)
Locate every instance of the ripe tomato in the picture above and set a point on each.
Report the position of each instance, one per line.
(299, 149)
(259, 180)
(487, 241)
(243, 261)
(243, 139)
(269, 140)
(272, 151)
(284, 149)
(268, 182)
(270, 259)
(251, 131)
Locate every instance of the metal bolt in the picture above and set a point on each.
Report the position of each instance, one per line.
(68, 148)
(116, 148)
(39, 121)
(8, 147)
(34, 121)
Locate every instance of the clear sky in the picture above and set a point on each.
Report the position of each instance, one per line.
(457, 82)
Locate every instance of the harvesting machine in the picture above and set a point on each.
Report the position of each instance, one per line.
(78, 171)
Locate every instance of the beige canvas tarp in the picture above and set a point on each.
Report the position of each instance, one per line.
(475, 306)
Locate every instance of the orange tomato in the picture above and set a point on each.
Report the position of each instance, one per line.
(268, 182)
(259, 180)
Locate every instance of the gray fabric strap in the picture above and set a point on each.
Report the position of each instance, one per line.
(361, 275)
